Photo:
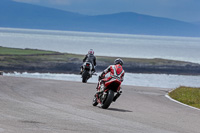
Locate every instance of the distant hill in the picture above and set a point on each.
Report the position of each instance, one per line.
(197, 23)
(21, 15)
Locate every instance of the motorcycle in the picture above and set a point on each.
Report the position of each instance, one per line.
(87, 71)
(108, 92)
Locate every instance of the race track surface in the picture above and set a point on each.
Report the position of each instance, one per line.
(48, 106)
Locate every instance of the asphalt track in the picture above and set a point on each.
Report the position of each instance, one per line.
(30, 105)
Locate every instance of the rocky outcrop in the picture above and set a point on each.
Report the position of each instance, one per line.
(168, 67)
(33, 60)
(131, 67)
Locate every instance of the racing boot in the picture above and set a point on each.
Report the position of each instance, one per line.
(117, 95)
(81, 70)
(99, 88)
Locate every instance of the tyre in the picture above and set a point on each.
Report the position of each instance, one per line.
(84, 76)
(108, 100)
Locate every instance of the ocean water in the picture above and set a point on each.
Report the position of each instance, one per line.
(117, 45)
(148, 80)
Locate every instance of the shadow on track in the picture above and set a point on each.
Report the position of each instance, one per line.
(119, 110)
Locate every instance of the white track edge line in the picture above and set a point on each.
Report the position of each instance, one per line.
(167, 96)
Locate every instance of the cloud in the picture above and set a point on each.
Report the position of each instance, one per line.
(48, 2)
(59, 2)
(28, 1)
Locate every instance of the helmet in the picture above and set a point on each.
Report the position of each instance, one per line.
(118, 61)
(91, 51)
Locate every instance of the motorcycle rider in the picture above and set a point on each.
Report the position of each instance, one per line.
(115, 70)
(89, 58)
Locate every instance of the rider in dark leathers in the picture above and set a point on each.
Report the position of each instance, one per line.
(90, 58)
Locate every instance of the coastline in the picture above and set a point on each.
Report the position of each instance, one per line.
(133, 79)
(74, 68)
(41, 61)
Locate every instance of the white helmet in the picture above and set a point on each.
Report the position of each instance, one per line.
(91, 51)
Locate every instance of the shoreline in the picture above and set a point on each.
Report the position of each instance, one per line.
(151, 80)
(77, 73)
(34, 60)
(70, 68)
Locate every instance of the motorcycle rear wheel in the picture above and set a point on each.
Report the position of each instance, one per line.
(108, 100)
(84, 76)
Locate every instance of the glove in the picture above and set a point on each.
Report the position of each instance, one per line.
(100, 78)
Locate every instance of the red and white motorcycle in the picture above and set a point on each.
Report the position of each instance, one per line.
(107, 92)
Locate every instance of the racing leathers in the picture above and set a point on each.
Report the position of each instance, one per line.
(115, 71)
(89, 58)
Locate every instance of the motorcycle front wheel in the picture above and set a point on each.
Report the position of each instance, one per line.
(108, 100)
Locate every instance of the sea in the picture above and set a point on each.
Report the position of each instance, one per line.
(108, 44)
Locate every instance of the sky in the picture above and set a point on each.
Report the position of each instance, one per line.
(184, 10)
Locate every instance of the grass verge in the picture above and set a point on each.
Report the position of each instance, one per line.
(33, 59)
(17, 51)
(187, 95)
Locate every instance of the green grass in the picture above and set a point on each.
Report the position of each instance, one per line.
(187, 95)
(16, 51)
(11, 57)
(5, 51)
(16, 56)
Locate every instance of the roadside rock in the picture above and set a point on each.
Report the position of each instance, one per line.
(66, 67)
(69, 63)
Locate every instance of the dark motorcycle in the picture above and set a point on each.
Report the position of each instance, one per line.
(87, 71)
(107, 92)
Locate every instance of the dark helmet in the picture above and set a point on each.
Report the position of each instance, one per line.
(91, 51)
(118, 61)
